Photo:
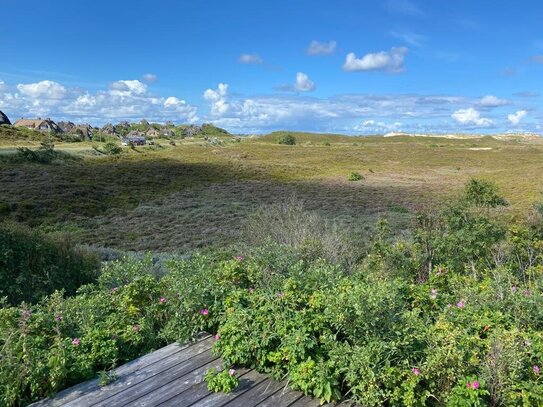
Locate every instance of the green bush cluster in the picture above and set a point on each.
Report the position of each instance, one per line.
(45, 154)
(286, 139)
(33, 265)
(355, 176)
(452, 316)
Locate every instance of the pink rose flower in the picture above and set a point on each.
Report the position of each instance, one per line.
(415, 371)
(163, 300)
(204, 311)
(232, 372)
(76, 341)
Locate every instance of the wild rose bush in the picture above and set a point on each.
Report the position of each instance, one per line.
(451, 317)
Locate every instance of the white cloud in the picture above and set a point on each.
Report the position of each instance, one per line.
(321, 48)
(43, 90)
(470, 116)
(128, 88)
(493, 101)
(3, 86)
(377, 126)
(124, 100)
(303, 83)
(515, 118)
(380, 61)
(219, 104)
(150, 78)
(250, 59)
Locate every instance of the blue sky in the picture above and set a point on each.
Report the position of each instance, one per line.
(355, 67)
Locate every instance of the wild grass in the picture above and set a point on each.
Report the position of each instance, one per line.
(196, 194)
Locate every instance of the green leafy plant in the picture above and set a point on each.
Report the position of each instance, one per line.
(224, 381)
(355, 176)
(286, 139)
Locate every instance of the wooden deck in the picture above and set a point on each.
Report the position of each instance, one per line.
(172, 376)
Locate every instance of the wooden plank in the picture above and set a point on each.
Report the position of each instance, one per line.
(307, 401)
(195, 393)
(284, 397)
(134, 377)
(249, 380)
(81, 389)
(175, 386)
(256, 394)
(129, 395)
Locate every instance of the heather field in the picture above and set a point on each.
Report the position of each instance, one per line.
(196, 194)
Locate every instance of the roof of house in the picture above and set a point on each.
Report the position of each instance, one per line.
(37, 123)
(66, 126)
(3, 118)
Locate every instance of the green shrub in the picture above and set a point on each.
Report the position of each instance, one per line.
(33, 265)
(286, 139)
(45, 154)
(224, 381)
(451, 317)
(112, 148)
(355, 176)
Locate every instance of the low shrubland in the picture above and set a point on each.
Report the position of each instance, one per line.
(451, 316)
(33, 265)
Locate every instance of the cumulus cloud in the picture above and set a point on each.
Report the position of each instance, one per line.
(128, 88)
(377, 126)
(391, 62)
(150, 78)
(3, 86)
(218, 99)
(317, 48)
(43, 90)
(515, 118)
(250, 59)
(303, 83)
(493, 101)
(123, 100)
(471, 116)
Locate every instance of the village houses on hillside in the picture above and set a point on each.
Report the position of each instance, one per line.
(39, 124)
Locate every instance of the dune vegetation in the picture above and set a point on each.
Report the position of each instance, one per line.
(417, 281)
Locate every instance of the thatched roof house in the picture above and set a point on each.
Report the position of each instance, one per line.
(39, 124)
(66, 126)
(86, 131)
(3, 118)
(152, 132)
(109, 129)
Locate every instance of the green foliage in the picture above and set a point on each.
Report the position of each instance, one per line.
(483, 193)
(45, 154)
(286, 139)
(33, 265)
(224, 381)
(112, 148)
(355, 176)
(452, 317)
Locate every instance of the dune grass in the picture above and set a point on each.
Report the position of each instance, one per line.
(196, 194)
